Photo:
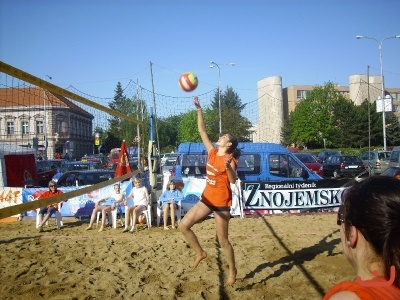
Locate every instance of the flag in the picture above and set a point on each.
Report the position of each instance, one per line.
(123, 166)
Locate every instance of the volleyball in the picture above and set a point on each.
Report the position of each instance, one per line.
(142, 219)
(188, 82)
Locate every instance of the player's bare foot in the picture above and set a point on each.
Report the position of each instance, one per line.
(232, 278)
(199, 258)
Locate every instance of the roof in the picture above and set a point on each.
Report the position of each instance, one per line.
(33, 96)
(244, 147)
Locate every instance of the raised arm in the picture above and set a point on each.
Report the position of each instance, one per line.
(201, 126)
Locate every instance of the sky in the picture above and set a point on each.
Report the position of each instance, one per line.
(92, 45)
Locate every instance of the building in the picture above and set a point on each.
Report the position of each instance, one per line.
(275, 103)
(52, 124)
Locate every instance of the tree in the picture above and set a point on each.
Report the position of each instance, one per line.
(125, 130)
(314, 120)
(392, 129)
(168, 133)
(232, 120)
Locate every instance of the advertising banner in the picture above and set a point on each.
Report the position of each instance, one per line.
(74, 207)
(10, 196)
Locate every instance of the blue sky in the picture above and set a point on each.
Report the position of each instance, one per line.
(92, 45)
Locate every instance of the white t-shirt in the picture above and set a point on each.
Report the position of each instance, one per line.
(139, 196)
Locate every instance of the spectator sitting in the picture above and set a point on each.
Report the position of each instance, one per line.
(50, 209)
(106, 205)
(140, 197)
(169, 199)
(369, 220)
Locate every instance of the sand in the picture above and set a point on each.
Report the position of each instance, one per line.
(277, 257)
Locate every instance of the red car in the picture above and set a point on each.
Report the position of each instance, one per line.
(310, 162)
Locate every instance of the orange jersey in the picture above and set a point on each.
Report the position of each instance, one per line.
(218, 189)
(390, 292)
(49, 194)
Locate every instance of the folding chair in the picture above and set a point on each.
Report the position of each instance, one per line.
(113, 218)
(146, 213)
(57, 216)
(160, 212)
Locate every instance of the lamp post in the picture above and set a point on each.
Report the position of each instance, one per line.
(382, 81)
(214, 64)
(45, 120)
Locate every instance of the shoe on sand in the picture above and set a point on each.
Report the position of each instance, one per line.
(126, 229)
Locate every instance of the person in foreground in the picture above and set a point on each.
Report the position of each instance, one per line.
(169, 199)
(217, 195)
(50, 209)
(106, 205)
(369, 220)
(140, 197)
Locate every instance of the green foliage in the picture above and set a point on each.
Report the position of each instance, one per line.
(124, 130)
(187, 128)
(327, 114)
(168, 133)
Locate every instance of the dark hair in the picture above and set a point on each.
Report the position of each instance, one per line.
(233, 147)
(373, 207)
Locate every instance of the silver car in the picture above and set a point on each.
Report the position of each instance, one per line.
(376, 161)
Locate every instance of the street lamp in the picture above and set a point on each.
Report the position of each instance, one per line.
(382, 81)
(214, 64)
(45, 119)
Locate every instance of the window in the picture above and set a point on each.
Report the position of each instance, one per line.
(283, 165)
(10, 128)
(302, 94)
(25, 127)
(39, 127)
(249, 164)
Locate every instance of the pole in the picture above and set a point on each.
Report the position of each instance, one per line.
(382, 80)
(45, 121)
(219, 100)
(369, 123)
(214, 64)
(137, 126)
(382, 97)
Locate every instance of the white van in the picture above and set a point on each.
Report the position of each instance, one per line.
(395, 157)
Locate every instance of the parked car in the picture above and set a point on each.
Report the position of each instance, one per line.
(343, 165)
(85, 177)
(167, 166)
(167, 156)
(101, 159)
(323, 155)
(75, 165)
(376, 161)
(392, 172)
(395, 157)
(46, 169)
(258, 161)
(310, 162)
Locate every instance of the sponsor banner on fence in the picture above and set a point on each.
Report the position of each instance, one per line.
(290, 196)
(10, 196)
(77, 206)
(192, 189)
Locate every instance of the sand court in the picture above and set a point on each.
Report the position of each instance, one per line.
(277, 257)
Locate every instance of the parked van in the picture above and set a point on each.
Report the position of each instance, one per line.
(271, 179)
(395, 157)
(257, 162)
